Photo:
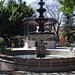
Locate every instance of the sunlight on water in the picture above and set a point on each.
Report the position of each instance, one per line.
(35, 56)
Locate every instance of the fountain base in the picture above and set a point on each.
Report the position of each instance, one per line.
(40, 55)
(41, 50)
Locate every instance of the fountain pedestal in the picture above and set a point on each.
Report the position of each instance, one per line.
(41, 50)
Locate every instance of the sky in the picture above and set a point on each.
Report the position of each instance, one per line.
(29, 1)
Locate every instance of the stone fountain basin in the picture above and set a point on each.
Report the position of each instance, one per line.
(37, 64)
(54, 64)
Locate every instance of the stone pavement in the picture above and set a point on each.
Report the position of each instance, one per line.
(32, 73)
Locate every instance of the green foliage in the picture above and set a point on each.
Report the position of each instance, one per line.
(8, 49)
(69, 32)
(11, 16)
(1, 40)
(1, 43)
(67, 45)
(67, 5)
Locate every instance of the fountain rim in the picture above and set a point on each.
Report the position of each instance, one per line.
(13, 57)
(28, 20)
(41, 33)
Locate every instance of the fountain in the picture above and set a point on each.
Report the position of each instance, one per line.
(39, 63)
(41, 35)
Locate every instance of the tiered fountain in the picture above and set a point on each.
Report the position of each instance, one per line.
(41, 35)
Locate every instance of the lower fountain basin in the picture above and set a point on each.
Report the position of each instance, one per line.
(42, 65)
(35, 56)
(50, 63)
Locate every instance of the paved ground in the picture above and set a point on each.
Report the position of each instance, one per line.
(32, 73)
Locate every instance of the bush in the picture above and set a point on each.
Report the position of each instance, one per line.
(1, 43)
(67, 44)
(1, 40)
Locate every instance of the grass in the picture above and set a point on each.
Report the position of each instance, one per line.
(7, 48)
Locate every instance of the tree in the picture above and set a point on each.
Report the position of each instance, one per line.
(3, 18)
(67, 5)
(11, 17)
(53, 11)
(68, 8)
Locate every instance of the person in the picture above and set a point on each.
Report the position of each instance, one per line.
(18, 44)
(13, 44)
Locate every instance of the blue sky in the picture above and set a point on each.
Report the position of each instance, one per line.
(29, 1)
